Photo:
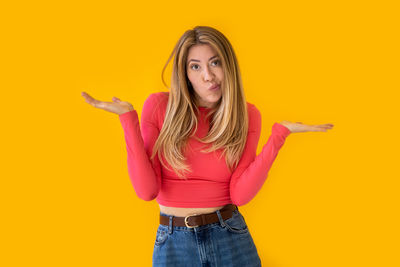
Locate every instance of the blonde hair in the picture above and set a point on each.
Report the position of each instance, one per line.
(229, 123)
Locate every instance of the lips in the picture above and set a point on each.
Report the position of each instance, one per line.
(214, 87)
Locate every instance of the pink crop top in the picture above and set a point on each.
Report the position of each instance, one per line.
(210, 184)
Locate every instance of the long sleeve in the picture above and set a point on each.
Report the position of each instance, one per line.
(145, 174)
(252, 170)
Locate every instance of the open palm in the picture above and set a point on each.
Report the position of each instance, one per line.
(117, 106)
(298, 127)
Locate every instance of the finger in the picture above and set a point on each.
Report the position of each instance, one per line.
(88, 98)
(84, 94)
(94, 102)
(315, 128)
(103, 104)
(116, 99)
(327, 127)
(320, 128)
(323, 129)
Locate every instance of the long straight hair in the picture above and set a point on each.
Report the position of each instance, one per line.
(229, 123)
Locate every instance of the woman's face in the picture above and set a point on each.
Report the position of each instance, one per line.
(204, 71)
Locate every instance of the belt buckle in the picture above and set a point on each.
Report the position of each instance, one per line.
(186, 222)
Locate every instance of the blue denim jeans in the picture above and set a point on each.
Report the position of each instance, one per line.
(224, 243)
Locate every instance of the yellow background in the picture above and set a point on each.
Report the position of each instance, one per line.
(331, 199)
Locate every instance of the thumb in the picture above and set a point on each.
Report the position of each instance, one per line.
(116, 99)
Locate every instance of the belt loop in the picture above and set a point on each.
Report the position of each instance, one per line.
(220, 218)
(170, 224)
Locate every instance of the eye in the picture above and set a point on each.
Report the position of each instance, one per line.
(193, 65)
(216, 61)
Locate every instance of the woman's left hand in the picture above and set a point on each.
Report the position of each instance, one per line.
(298, 127)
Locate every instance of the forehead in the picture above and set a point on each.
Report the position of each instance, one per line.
(201, 51)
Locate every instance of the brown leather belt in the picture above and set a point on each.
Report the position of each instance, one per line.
(195, 220)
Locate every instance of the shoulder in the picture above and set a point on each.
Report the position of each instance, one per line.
(254, 115)
(154, 107)
(157, 98)
(252, 109)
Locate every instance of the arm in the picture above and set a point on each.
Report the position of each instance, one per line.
(252, 170)
(144, 174)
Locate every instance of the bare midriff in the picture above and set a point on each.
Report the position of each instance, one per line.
(182, 212)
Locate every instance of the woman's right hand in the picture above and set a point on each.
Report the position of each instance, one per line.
(117, 106)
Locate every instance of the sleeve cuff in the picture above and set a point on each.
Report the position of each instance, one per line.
(280, 130)
(128, 116)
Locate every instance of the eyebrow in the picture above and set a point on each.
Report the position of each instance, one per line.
(199, 60)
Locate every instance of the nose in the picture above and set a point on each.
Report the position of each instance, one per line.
(208, 75)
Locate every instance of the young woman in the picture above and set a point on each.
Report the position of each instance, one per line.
(195, 153)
